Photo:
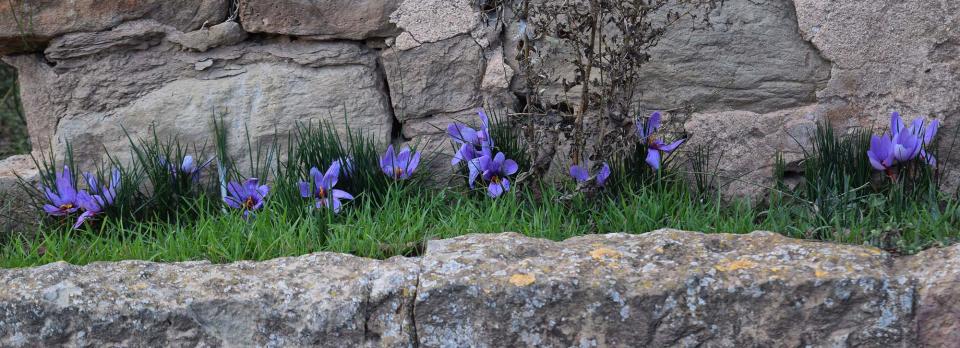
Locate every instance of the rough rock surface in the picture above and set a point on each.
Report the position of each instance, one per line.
(320, 19)
(134, 77)
(664, 288)
(15, 215)
(27, 25)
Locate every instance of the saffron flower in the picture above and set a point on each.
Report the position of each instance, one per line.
(188, 168)
(323, 190)
(494, 170)
(62, 199)
(655, 147)
(98, 198)
(910, 142)
(248, 196)
(470, 139)
(881, 152)
(580, 174)
(399, 166)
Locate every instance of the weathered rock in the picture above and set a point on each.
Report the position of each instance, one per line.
(326, 300)
(223, 34)
(664, 288)
(435, 78)
(748, 143)
(321, 19)
(26, 26)
(16, 214)
(888, 55)
(139, 79)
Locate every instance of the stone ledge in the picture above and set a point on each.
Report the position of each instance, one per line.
(664, 288)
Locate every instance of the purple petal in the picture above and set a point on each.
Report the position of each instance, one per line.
(337, 205)
(304, 189)
(505, 183)
(494, 190)
(653, 159)
(930, 159)
(187, 166)
(341, 194)
(412, 166)
(250, 187)
(92, 183)
(235, 190)
(52, 210)
(83, 217)
(917, 125)
(579, 173)
(65, 184)
(233, 202)
(461, 133)
(88, 202)
(262, 191)
(387, 160)
(474, 167)
(673, 146)
(403, 158)
(483, 118)
(653, 124)
(331, 176)
(604, 174)
(317, 176)
(896, 124)
(510, 167)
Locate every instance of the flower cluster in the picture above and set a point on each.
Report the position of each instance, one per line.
(65, 199)
(903, 143)
(656, 148)
(476, 149)
(580, 174)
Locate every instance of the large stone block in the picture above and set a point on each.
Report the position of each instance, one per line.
(320, 19)
(26, 25)
(134, 77)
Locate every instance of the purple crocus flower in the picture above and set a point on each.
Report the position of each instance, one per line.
(655, 147)
(920, 136)
(98, 198)
(62, 200)
(399, 166)
(187, 168)
(248, 196)
(494, 170)
(323, 191)
(881, 152)
(470, 139)
(580, 174)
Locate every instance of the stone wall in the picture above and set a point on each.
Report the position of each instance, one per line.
(756, 74)
(661, 289)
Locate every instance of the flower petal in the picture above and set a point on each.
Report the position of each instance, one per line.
(579, 173)
(653, 159)
(603, 174)
(83, 217)
(896, 124)
(461, 133)
(412, 165)
(187, 166)
(386, 161)
(494, 190)
(331, 176)
(673, 146)
(510, 167)
(317, 176)
(304, 189)
(341, 194)
(653, 124)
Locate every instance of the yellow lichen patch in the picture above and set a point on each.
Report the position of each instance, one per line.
(731, 266)
(139, 286)
(820, 273)
(601, 253)
(521, 279)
